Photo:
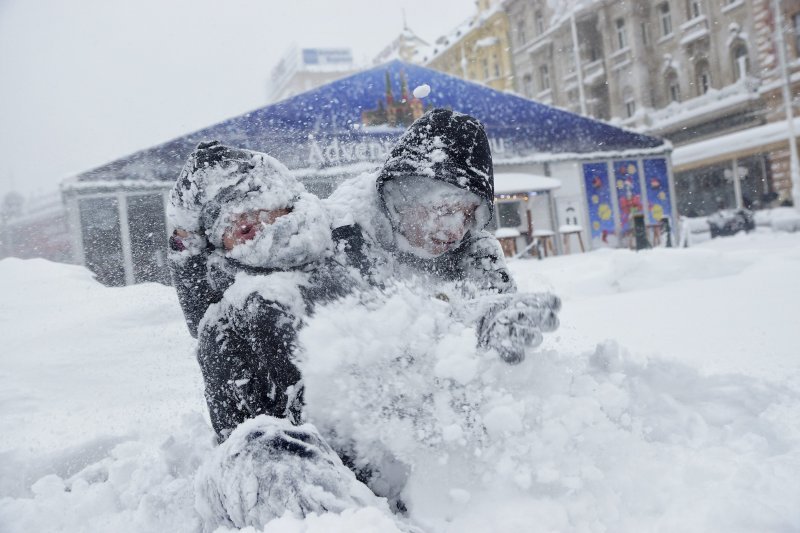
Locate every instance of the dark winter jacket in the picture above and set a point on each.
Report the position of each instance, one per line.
(453, 148)
(247, 341)
(245, 308)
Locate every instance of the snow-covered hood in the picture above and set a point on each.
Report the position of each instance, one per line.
(218, 183)
(446, 146)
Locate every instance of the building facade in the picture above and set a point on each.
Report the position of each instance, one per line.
(692, 71)
(35, 227)
(303, 69)
(476, 50)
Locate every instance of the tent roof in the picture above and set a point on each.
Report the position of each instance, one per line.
(340, 124)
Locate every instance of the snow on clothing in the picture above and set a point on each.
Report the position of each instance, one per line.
(246, 304)
(443, 147)
(268, 467)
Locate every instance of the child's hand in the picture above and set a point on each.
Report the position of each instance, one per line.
(517, 322)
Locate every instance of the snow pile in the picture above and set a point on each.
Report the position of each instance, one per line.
(562, 439)
(106, 425)
(779, 218)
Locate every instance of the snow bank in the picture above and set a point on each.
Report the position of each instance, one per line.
(583, 441)
(693, 426)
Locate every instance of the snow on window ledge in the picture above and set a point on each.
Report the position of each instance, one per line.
(692, 22)
(665, 38)
(733, 5)
(620, 52)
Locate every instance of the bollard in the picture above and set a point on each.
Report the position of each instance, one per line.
(666, 229)
(640, 232)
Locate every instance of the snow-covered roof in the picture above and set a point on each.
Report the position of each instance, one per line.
(752, 139)
(509, 183)
(340, 125)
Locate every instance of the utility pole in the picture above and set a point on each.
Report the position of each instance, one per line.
(577, 58)
(794, 162)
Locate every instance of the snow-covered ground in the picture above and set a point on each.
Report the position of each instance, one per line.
(688, 420)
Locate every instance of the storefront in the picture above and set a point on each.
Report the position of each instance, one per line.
(347, 127)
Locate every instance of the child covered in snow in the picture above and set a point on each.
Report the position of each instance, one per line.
(251, 256)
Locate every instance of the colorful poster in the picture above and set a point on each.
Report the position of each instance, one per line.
(656, 181)
(598, 195)
(629, 192)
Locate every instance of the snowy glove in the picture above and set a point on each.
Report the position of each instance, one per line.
(267, 467)
(516, 322)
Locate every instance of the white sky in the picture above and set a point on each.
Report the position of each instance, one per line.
(84, 82)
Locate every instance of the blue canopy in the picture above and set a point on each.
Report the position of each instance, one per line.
(354, 121)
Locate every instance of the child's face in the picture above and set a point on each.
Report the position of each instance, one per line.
(436, 228)
(244, 226)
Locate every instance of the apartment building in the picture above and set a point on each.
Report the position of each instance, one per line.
(692, 71)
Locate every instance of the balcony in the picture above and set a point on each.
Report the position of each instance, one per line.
(694, 29)
(594, 72)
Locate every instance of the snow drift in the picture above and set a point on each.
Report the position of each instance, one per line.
(693, 427)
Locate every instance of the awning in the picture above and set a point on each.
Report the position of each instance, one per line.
(739, 144)
(510, 183)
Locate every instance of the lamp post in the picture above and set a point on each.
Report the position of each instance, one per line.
(794, 162)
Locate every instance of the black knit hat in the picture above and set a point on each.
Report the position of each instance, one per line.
(447, 146)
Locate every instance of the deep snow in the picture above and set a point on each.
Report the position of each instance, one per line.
(688, 420)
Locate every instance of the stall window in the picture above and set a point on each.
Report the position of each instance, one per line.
(102, 242)
(508, 214)
(148, 234)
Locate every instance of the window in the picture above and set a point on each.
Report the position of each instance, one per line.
(508, 214)
(702, 77)
(521, 32)
(485, 66)
(665, 18)
(673, 87)
(796, 19)
(630, 102)
(645, 34)
(527, 85)
(544, 77)
(693, 9)
(740, 61)
(622, 40)
(539, 21)
(102, 239)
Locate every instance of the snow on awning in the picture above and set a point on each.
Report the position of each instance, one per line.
(741, 143)
(510, 183)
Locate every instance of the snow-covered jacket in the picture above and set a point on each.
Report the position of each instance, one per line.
(246, 304)
(247, 341)
(445, 146)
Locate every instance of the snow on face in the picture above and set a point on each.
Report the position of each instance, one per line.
(431, 217)
(287, 237)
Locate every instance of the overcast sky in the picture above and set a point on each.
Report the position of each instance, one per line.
(84, 82)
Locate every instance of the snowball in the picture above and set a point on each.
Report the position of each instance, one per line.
(421, 91)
